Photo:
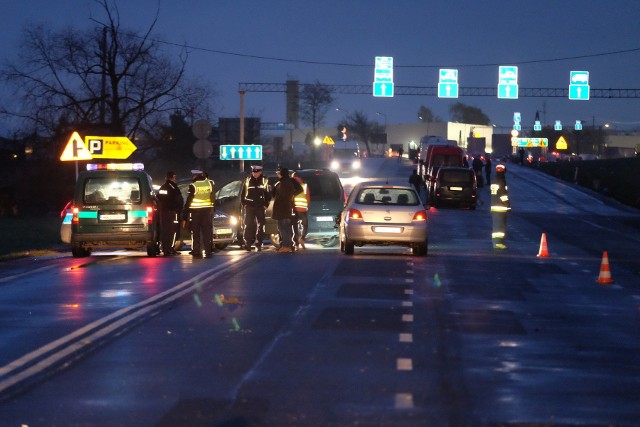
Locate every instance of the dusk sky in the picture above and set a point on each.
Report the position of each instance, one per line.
(304, 40)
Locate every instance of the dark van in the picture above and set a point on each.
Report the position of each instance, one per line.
(441, 156)
(455, 185)
(114, 206)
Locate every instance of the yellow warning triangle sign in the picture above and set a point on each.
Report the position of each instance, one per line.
(328, 140)
(75, 149)
(561, 144)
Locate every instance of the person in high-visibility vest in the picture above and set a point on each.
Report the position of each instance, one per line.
(301, 206)
(500, 207)
(200, 207)
(254, 197)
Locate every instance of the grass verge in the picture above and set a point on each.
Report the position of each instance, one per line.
(29, 236)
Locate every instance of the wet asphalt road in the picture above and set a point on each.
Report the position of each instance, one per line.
(466, 336)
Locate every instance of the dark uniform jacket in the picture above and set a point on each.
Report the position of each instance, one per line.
(255, 192)
(170, 198)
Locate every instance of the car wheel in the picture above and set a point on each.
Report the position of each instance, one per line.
(153, 249)
(79, 252)
(420, 249)
(348, 247)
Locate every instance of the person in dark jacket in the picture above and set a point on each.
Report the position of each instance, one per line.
(487, 170)
(477, 166)
(255, 197)
(284, 192)
(415, 180)
(500, 207)
(170, 204)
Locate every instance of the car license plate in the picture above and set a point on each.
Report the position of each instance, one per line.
(387, 229)
(455, 188)
(324, 218)
(223, 231)
(113, 216)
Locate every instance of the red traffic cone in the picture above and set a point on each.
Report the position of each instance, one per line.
(605, 272)
(543, 252)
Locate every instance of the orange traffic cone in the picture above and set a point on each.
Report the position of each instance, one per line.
(543, 252)
(605, 272)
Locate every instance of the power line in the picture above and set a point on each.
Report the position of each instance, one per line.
(344, 64)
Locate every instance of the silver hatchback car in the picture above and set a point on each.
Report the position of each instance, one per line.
(384, 214)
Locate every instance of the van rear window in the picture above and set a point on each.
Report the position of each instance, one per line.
(323, 187)
(454, 176)
(110, 191)
(447, 160)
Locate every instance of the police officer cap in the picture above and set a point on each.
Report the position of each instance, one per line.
(196, 171)
(256, 167)
(501, 168)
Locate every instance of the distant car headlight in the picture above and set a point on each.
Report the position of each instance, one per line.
(355, 164)
(335, 165)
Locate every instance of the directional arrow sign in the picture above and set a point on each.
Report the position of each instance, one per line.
(109, 147)
(383, 89)
(579, 85)
(447, 90)
(241, 152)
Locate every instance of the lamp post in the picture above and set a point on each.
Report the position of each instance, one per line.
(385, 118)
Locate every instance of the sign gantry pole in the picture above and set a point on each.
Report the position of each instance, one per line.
(242, 92)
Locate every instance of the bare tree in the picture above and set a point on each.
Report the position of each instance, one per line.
(316, 99)
(425, 115)
(359, 127)
(467, 114)
(106, 78)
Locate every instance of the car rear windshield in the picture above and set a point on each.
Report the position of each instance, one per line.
(113, 191)
(387, 196)
(323, 187)
(458, 176)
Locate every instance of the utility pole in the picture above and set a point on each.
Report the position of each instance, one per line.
(103, 86)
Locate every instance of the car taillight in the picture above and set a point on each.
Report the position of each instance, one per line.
(149, 214)
(74, 219)
(355, 214)
(420, 216)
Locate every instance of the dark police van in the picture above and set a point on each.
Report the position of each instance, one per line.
(114, 206)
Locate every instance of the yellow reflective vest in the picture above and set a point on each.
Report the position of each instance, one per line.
(202, 195)
(300, 201)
